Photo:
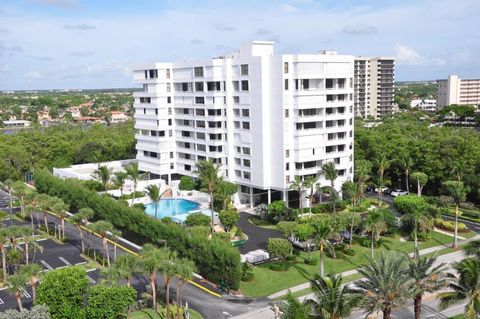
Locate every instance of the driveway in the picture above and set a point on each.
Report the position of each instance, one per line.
(257, 236)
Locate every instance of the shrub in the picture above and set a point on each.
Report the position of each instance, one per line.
(349, 252)
(262, 211)
(449, 225)
(247, 272)
(292, 257)
(279, 266)
(238, 232)
(215, 260)
(107, 302)
(338, 255)
(197, 219)
(139, 206)
(279, 247)
(303, 231)
(311, 261)
(278, 211)
(229, 218)
(187, 183)
(200, 231)
(37, 312)
(409, 204)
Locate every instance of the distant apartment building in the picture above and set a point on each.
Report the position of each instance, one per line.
(428, 105)
(374, 86)
(458, 91)
(264, 118)
(118, 117)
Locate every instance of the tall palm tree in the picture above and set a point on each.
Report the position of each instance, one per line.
(427, 277)
(472, 249)
(119, 180)
(352, 190)
(78, 219)
(382, 164)
(103, 228)
(151, 263)
(169, 269)
(127, 266)
(134, 174)
(458, 191)
(465, 287)
(9, 186)
(297, 185)
(420, 179)
(43, 204)
(320, 236)
(186, 267)
(59, 208)
(32, 272)
(459, 169)
(294, 309)
(363, 169)
(208, 173)
(330, 171)
(407, 163)
(3, 241)
(332, 299)
(387, 284)
(309, 183)
(103, 174)
(21, 191)
(30, 243)
(15, 285)
(420, 221)
(376, 225)
(153, 193)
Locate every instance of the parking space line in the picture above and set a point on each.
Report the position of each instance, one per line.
(25, 293)
(20, 248)
(81, 263)
(41, 239)
(46, 265)
(1, 301)
(65, 261)
(90, 279)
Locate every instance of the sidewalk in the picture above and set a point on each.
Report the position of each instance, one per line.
(354, 271)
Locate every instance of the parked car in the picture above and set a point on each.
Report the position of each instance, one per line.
(383, 189)
(399, 192)
(370, 189)
(387, 191)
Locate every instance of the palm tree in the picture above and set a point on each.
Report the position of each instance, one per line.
(294, 309)
(330, 171)
(459, 169)
(9, 185)
(119, 180)
(332, 299)
(134, 174)
(465, 287)
(427, 277)
(186, 267)
(363, 169)
(223, 193)
(103, 228)
(309, 183)
(78, 219)
(21, 191)
(32, 272)
(15, 285)
(151, 264)
(208, 173)
(59, 208)
(382, 164)
(103, 174)
(386, 285)
(321, 234)
(3, 242)
(458, 191)
(406, 163)
(376, 225)
(472, 249)
(352, 190)
(420, 179)
(421, 221)
(169, 267)
(43, 204)
(116, 234)
(297, 185)
(126, 265)
(153, 193)
(30, 242)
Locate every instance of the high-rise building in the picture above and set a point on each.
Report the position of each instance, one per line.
(374, 86)
(264, 118)
(458, 91)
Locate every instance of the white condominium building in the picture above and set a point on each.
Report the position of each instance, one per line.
(458, 91)
(374, 86)
(264, 118)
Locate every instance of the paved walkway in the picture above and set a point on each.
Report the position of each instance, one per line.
(354, 271)
(257, 236)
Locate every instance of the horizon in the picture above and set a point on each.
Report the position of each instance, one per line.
(68, 44)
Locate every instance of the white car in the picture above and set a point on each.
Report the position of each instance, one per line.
(398, 192)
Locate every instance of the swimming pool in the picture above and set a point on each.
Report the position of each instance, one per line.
(170, 207)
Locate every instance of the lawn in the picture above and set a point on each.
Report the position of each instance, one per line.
(254, 220)
(267, 281)
(150, 314)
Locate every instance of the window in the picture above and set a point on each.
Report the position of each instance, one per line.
(144, 111)
(201, 147)
(329, 84)
(286, 113)
(285, 67)
(198, 71)
(171, 154)
(200, 136)
(185, 87)
(246, 175)
(287, 166)
(168, 87)
(172, 166)
(169, 99)
(236, 100)
(336, 160)
(198, 86)
(287, 153)
(286, 85)
(305, 84)
(246, 150)
(245, 112)
(246, 125)
(341, 83)
(199, 100)
(170, 133)
(246, 163)
(201, 124)
(169, 122)
(244, 69)
(244, 85)
(187, 167)
(236, 112)
(167, 73)
(145, 100)
(287, 179)
(153, 74)
(156, 111)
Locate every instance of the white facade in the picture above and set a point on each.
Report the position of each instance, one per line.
(425, 104)
(374, 86)
(458, 91)
(264, 118)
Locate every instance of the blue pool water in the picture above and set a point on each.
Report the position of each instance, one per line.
(170, 207)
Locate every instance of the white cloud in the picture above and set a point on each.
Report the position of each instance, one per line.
(81, 27)
(359, 29)
(406, 55)
(33, 75)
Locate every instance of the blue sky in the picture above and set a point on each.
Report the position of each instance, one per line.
(94, 43)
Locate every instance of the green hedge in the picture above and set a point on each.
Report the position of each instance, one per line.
(216, 260)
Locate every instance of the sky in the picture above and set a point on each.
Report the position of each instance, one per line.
(58, 44)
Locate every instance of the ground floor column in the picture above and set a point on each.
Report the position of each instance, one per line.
(269, 192)
(285, 196)
(251, 197)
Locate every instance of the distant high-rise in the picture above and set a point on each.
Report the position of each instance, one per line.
(458, 91)
(264, 118)
(374, 86)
